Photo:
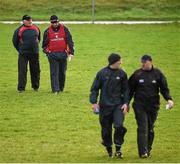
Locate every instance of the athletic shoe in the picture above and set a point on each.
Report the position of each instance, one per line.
(144, 155)
(118, 154)
(21, 91)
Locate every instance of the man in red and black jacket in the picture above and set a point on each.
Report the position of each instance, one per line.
(26, 40)
(57, 45)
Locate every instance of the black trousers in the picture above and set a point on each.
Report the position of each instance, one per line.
(145, 118)
(34, 66)
(58, 74)
(112, 116)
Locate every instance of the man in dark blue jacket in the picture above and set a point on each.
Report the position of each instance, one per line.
(26, 40)
(145, 85)
(114, 97)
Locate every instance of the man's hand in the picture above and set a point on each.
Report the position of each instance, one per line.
(46, 51)
(170, 103)
(125, 108)
(95, 106)
(70, 57)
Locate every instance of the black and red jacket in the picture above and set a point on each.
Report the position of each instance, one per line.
(58, 40)
(26, 39)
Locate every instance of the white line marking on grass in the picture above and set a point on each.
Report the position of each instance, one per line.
(96, 22)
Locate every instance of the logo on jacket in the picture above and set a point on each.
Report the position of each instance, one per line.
(141, 80)
(118, 78)
(154, 81)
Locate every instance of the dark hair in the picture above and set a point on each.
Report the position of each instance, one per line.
(113, 58)
(146, 58)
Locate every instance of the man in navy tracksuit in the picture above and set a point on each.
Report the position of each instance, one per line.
(58, 45)
(26, 40)
(114, 97)
(145, 85)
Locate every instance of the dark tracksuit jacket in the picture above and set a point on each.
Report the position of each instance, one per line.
(29, 45)
(28, 52)
(113, 87)
(145, 87)
(58, 61)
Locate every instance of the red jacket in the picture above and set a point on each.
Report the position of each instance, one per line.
(56, 40)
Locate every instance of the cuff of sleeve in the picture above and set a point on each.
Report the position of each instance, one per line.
(169, 98)
(93, 102)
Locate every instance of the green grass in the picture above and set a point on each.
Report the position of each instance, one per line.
(42, 127)
(81, 9)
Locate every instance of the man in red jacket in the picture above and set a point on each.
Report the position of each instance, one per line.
(58, 45)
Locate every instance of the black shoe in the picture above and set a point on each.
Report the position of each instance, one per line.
(118, 154)
(36, 89)
(109, 151)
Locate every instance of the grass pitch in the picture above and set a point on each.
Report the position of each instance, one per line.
(42, 127)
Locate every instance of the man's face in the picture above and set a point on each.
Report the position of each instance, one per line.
(117, 64)
(55, 24)
(27, 22)
(146, 65)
